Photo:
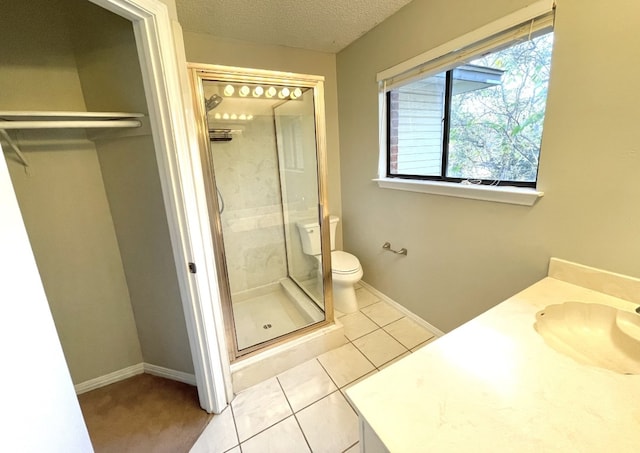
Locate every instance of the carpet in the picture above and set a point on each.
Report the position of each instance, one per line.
(142, 414)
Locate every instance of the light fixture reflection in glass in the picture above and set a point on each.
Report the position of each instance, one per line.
(271, 92)
(284, 93)
(244, 91)
(297, 93)
(257, 91)
(233, 116)
(229, 90)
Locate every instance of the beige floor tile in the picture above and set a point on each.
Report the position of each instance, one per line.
(391, 362)
(306, 384)
(382, 313)
(379, 347)
(259, 407)
(330, 425)
(422, 345)
(218, 436)
(360, 379)
(365, 297)
(347, 387)
(408, 332)
(345, 364)
(356, 325)
(284, 437)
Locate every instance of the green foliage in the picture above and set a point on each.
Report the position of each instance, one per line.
(495, 132)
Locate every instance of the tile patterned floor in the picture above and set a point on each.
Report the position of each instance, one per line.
(304, 409)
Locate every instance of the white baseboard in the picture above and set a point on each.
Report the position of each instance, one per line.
(110, 378)
(174, 375)
(131, 371)
(402, 309)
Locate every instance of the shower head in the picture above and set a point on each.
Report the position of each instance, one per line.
(212, 102)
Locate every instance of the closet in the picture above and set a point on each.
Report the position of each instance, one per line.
(89, 190)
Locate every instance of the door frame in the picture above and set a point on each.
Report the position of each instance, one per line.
(200, 72)
(163, 64)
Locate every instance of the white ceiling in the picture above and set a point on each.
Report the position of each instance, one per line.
(323, 25)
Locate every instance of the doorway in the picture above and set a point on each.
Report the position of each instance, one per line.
(160, 78)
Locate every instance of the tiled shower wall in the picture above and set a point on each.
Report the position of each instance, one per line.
(246, 170)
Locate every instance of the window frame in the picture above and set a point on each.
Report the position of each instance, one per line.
(448, 93)
(536, 18)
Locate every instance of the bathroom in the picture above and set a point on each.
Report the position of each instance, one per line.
(465, 255)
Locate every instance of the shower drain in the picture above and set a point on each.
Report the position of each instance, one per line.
(267, 326)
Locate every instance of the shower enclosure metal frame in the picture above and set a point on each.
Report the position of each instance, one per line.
(200, 73)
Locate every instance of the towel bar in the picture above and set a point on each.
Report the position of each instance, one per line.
(387, 246)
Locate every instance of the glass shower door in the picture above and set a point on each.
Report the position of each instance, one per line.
(297, 160)
(262, 177)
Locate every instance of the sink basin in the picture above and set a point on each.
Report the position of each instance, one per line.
(593, 334)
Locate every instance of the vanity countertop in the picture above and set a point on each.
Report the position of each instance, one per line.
(493, 385)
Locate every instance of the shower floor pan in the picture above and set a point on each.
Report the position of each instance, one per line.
(271, 311)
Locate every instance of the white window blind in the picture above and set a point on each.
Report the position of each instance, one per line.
(521, 25)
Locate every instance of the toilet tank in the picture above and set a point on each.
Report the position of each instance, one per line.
(310, 235)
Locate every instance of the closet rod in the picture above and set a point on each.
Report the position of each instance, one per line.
(14, 148)
(97, 124)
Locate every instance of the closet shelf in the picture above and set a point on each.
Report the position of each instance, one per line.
(10, 120)
(58, 120)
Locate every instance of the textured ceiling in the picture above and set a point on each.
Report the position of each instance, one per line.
(324, 25)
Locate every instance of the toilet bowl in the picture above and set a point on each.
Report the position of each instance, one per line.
(345, 273)
(346, 270)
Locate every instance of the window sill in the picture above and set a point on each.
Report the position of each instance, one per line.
(499, 194)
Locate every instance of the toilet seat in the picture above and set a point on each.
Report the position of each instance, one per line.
(344, 263)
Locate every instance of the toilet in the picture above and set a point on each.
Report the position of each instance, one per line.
(345, 268)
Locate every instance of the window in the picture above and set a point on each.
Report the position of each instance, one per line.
(474, 114)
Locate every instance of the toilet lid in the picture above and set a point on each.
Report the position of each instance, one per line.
(343, 262)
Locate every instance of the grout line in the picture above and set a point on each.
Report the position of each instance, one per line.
(348, 383)
(395, 358)
(235, 427)
(431, 338)
(325, 370)
(304, 436)
(315, 401)
(293, 413)
(285, 395)
(374, 365)
(368, 360)
(350, 446)
(298, 421)
(348, 401)
(358, 349)
(380, 301)
(378, 326)
(364, 334)
(424, 343)
(268, 427)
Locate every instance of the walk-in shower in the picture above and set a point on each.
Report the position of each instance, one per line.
(262, 148)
